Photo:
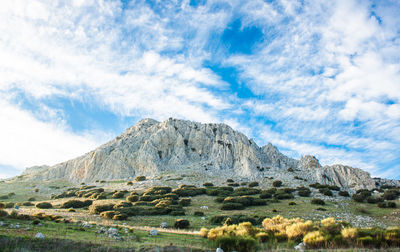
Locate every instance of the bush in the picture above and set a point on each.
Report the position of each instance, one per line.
(315, 239)
(219, 191)
(277, 183)
(9, 204)
(292, 203)
(108, 214)
(27, 203)
(76, 204)
(232, 206)
(129, 183)
(387, 205)
(344, 193)
(334, 188)
(359, 197)
(233, 184)
(230, 180)
(253, 184)
(118, 195)
(198, 213)
(71, 210)
(283, 195)
(236, 243)
(44, 205)
(241, 191)
(3, 213)
(390, 194)
(181, 224)
(326, 191)
(31, 199)
(185, 202)
(97, 208)
(188, 190)
(140, 178)
(208, 184)
(132, 198)
(120, 217)
(4, 197)
(265, 195)
(304, 192)
(2, 205)
(317, 202)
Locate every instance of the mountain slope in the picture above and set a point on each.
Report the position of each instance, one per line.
(151, 148)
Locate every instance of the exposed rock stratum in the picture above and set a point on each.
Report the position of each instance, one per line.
(151, 148)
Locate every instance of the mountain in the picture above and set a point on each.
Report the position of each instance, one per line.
(152, 148)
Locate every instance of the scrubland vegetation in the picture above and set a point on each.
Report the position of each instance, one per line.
(247, 217)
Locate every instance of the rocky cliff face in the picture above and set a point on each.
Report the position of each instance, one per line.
(151, 148)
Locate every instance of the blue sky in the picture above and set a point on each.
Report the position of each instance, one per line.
(311, 77)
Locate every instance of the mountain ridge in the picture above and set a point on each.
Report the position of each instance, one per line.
(151, 148)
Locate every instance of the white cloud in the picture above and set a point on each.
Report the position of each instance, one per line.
(28, 141)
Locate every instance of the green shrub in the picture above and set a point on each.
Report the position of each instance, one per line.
(241, 191)
(4, 197)
(9, 204)
(265, 195)
(304, 192)
(132, 198)
(188, 190)
(158, 190)
(233, 184)
(198, 213)
(292, 203)
(140, 178)
(108, 214)
(232, 206)
(76, 204)
(277, 183)
(334, 188)
(219, 191)
(326, 191)
(123, 204)
(230, 180)
(344, 193)
(32, 199)
(282, 195)
(27, 203)
(253, 184)
(359, 197)
(3, 213)
(317, 202)
(98, 208)
(44, 205)
(387, 205)
(237, 243)
(129, 183)
(71, 210)
(118, 195)
(185, 202)
(181, 224)
(207, 184)
(2, 205)
(120, 217)
(101, 196)
(390, 194)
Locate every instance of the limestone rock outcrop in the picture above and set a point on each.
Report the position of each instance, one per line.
(151, 148)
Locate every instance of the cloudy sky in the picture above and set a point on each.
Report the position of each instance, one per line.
(311, 77)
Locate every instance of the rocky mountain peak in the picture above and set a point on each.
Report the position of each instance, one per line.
(151, 148)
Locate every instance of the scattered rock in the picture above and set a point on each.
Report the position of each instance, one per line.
(164, 225)
(301, 247)
(153, 232)
(39, 236)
